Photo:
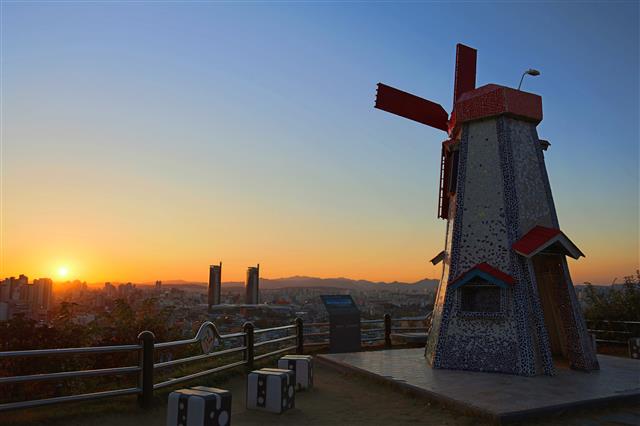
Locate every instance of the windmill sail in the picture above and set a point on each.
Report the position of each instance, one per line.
(410, 106)
(465, 73)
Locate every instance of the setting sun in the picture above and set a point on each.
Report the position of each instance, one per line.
(63, 271)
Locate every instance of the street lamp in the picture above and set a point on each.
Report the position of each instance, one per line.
(531, 72)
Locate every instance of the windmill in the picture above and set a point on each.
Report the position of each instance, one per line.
(505, 302)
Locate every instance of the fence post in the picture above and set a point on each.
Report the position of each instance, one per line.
(387, 330)
(145, 380)
(299, 336)
(248, 342)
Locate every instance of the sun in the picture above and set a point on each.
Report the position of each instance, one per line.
(63, 272)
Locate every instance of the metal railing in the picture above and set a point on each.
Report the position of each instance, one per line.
(246, 342)
(613, 332)
(369, 335)
(63, 375)
(207, 336)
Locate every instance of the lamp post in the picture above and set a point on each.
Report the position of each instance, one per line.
(530, 72)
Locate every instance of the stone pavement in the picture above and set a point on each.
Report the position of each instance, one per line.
(500, 397)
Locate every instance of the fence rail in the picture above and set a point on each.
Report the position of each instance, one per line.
(69, 375)
(199, 374)
(71, 351)
(207, 336)
(606, 331)
(613, 332)
(210, 340)
(384, 333)
(245, 343)
(179, 361)
(71, 398)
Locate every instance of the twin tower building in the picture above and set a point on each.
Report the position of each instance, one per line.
(252, 292)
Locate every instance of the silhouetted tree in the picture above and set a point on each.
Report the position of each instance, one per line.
(615, 304)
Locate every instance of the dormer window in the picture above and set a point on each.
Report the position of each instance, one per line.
(543, 240)
(480, 291)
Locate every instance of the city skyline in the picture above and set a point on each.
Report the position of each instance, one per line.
(144, 154)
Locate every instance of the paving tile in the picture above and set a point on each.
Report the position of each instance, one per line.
(504, 395)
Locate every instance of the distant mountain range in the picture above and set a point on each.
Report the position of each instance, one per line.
(308, 282)
(426, 284)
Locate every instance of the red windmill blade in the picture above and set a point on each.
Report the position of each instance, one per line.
(465, 78)
(432, 114)
(411, 106)
(424, 111)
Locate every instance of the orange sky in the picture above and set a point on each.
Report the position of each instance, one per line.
(126, 246)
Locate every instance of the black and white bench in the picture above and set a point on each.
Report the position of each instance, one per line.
(271, 390)
(303, 367)
(199, 406)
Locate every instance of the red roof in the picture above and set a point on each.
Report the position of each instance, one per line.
(487, 269)
(492, 99)
(541, 237)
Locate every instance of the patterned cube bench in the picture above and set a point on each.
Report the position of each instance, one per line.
(271, 390)
(302, 365)
(634, 348)
(200, 406)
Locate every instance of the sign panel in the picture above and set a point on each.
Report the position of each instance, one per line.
(344, 323)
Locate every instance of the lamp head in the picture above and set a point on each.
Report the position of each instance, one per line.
(533, 72)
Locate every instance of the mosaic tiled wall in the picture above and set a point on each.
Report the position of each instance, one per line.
(533, 206)
(503, 191)
(479, 235)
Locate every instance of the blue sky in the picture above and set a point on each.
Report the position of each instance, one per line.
(188, 129)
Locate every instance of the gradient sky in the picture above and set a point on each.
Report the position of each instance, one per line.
(144, 141)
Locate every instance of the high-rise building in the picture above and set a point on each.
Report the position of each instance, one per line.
(15, 287)
(5, 290)
(18, 297)
(158, 286)
(110, 290)
(125, 290)
(215, 284)
(42, 293)
(252, 285)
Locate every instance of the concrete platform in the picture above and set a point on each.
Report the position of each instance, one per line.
(500, 397)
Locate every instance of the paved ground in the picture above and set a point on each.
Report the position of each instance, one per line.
(498, 395)
(338, 399)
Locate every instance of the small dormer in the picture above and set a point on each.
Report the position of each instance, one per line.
(543, 240)
(480, 291)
